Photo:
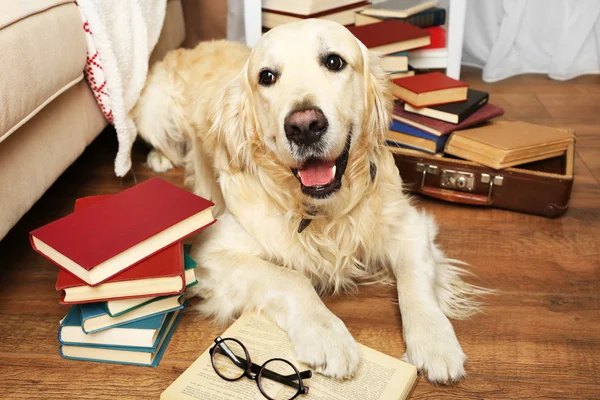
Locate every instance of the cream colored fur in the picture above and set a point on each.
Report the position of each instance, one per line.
(205, 110)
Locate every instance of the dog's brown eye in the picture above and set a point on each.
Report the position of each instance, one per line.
(334, 62)
(266, 78)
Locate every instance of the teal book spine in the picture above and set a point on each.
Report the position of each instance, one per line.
(97, 310)
(156, 360)
(151, 349)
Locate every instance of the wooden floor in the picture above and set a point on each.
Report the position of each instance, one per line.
(539, 339)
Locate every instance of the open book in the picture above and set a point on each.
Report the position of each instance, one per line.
(379, 376)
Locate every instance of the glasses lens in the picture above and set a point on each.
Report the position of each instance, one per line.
(229, 359)
(278, 380)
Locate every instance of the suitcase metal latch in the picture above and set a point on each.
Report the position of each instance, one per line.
(426, 169)
(457, 180)
(492, 180)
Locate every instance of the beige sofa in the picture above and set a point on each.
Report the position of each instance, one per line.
(48, 113)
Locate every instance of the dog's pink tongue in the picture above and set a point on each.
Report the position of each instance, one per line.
(317, 173)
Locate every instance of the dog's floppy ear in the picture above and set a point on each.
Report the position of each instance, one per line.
(233, 120)
(378, 97)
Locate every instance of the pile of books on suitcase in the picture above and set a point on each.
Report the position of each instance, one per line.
(456, 151)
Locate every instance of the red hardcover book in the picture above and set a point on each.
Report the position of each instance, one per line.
(429, 89)
(113, 235)
(391, 36)
(438, 38)
(441, 128)
(158, 275)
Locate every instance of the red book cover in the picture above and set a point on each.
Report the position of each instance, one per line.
(166, 263)
(386, 32)
(428, 82)
(441, 128)
(322, 13)
(104, 230)
(438, 38)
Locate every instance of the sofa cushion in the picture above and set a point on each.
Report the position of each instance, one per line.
(43, 54)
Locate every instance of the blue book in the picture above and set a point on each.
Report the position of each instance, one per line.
(95, 318)
(398, 54)
(144, 334)
(116, 308)
(125, 355)
(405, 135)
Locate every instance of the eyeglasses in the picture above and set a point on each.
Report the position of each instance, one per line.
(231, 361)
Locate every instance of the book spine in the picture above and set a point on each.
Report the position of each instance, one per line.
(474, 107)
(440, 143)
(425, 19)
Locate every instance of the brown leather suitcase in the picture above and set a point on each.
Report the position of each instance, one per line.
(541, 188)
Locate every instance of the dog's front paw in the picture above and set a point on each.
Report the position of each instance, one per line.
(158, 162)
(438, 354)
(324, 343)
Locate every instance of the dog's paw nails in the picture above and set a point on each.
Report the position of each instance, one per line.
(441, 358)
(327, 346)
(158, 162)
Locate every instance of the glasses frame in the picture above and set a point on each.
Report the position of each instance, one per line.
(256, 372)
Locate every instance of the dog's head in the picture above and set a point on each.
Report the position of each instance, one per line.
(311, 99)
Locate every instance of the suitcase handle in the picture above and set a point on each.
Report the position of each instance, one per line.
(455, 196)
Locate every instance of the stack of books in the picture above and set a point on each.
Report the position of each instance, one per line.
(392, 39)
(421, 14)
(277, 12)
(124, 269)
(431, 106)
(440, 115)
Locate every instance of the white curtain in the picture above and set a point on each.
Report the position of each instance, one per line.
(560, 38)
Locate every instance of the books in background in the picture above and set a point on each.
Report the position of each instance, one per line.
(507, 143)
(456, 112)
(399, 8)
(439, 127)
(392, 378)
(450, 105)
(408, 136)
(305, 7)
(343, 15)
(391, 36)
(431, 17)
(433, 56)
(429, 89)
(395, 62)
(145, 288)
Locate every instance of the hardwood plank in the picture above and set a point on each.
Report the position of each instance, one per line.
(518, 337)
(21, 381)
(483, 388)
(565, 105)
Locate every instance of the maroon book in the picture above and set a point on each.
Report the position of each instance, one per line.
(112, 235)
(441, 128)
(388, 32)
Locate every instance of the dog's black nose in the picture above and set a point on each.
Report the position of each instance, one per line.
(305, 127)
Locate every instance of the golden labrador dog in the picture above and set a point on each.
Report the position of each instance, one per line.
(288, 141)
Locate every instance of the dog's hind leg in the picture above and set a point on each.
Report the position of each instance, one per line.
(233, 278)
(160, 117)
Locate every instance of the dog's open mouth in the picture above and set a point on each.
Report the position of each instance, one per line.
(319, 178)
